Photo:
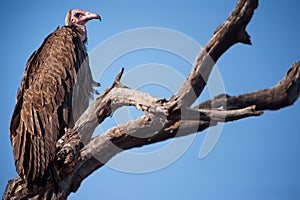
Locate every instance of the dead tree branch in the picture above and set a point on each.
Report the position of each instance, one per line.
(283, 94)
(230, 32)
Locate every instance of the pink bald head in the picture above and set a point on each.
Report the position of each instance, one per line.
(78, 18)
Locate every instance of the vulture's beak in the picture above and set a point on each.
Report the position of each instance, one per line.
(89, 16)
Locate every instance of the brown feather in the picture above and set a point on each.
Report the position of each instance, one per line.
(44, 100)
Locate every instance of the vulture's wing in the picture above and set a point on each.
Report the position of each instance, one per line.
(44, 100)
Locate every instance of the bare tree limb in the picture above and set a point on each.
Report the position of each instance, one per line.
(149, 129)
(232, 31)
(116, 96)
(284, 93)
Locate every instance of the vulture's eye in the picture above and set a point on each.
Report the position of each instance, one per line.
(77, 15)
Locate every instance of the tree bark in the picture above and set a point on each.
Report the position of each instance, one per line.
(78, 155)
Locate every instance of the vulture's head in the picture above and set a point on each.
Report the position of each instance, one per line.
(78, 18)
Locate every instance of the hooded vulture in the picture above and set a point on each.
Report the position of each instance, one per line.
(54, 91)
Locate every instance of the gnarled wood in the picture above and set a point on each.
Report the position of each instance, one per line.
(230, 32)
(284, 93)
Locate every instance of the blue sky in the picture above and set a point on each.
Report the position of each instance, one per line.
(255, 158)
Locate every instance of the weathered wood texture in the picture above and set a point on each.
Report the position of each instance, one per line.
(79, 155)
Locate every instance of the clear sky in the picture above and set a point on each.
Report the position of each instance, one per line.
(255, 158)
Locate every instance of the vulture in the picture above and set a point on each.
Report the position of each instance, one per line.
(55, 89)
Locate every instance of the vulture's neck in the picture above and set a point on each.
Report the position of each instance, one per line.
(82, 30)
